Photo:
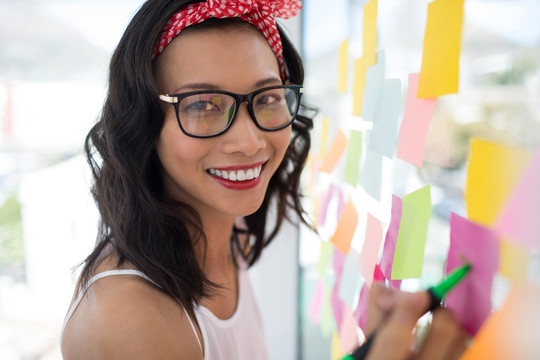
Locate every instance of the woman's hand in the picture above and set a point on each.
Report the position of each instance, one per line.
(394, 315)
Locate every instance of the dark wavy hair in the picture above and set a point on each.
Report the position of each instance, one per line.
(146, 228)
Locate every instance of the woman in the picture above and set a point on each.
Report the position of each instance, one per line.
(199, 136)
(177, 159)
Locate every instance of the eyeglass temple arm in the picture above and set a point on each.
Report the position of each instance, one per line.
(169, 99)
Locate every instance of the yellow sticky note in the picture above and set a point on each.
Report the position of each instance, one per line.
(336, 348)
(336, 151)
(345, 228)
(343, 65)
(324, 136)
(359, 84)
(439, 73)
(369, 43)
(511, 332)
(513, 262)
(492, 174)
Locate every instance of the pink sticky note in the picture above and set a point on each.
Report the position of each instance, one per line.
(415, 125)
(378, 275)
(519, 219)
(337, 304)
(474, 244)
(387, 257)
(348, 340)
(370, 249)
(316, 302)
(360, 313)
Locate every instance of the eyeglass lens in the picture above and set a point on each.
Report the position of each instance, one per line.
(209, 113)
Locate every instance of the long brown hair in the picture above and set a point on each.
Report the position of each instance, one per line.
(146, 228)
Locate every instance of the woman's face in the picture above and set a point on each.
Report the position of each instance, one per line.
(236, 59)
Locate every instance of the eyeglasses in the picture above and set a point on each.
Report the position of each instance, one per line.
(204, 114)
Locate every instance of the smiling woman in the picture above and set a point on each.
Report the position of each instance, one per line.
(184, 182)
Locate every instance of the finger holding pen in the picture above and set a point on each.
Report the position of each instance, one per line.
(395, 333)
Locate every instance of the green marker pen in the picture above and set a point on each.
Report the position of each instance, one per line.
(436, 295)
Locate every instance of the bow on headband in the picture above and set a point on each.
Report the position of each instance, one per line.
(259, 13)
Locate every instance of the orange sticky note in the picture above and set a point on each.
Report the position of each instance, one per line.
(494, 170)
(439, 73)
(345, 228)
(343, 65)
(369, 43)
(511, 332)
(336, 151)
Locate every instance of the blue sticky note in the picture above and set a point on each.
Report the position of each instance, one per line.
(383, 137)
(373, 174)
(373, 87)
(350, 278)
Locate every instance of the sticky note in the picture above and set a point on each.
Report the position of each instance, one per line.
(359, 83)
(338, 147)
(383, 137)
(348, 340)
(345, 228)
(511, 332)
(370, 248)
(360, 313)
(353, 157)
(477, 245)
(335, 347)
(350, 278)
(415, 124)
(337, 304)
(325, 203)
(326, 320)
(316, 302)
(513, 262)
(324, 136)
(343, 65)
(519, 219)
(327, 254)
(378, 275)
(411, 240)
(369, 36)
(387, 257)
(372, 177)
(375, 75)
(493, 171)
(439, 73)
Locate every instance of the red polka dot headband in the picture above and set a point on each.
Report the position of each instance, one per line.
(260, 13)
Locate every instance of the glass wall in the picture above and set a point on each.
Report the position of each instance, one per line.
(498, 100)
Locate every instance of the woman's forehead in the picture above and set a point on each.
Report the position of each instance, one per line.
(219, 55)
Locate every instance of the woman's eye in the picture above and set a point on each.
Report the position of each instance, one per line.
(269, 100)
(201, 106)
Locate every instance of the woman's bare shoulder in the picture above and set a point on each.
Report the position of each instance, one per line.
(126, 317)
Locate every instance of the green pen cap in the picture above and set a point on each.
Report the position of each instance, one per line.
(453, 278)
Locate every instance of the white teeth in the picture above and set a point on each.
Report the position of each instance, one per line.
(239, 175)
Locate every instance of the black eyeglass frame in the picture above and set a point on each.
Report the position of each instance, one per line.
(175, 99)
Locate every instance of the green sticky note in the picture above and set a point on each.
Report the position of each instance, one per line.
(353, 157)
(411, 240)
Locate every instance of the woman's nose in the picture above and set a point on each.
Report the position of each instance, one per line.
(244, 136)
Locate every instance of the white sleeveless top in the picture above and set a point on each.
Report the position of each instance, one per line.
(241, 337)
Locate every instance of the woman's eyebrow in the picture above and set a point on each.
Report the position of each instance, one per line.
(209, 86)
